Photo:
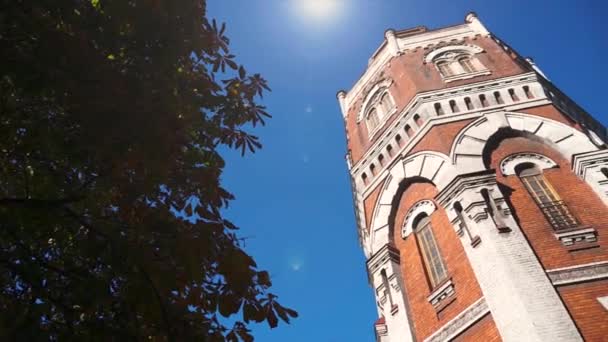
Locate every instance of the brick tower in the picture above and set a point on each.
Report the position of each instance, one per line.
(481, 193)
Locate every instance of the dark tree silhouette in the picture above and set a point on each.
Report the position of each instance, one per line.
(112, 113)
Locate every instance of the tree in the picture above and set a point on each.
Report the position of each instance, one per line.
(111, 224)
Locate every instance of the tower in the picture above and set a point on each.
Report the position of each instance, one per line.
(480, 192)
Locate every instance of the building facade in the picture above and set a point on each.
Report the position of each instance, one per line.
(480, 190)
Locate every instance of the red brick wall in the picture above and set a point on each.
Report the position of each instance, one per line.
(484, 330)
(440, 137)
(425, 319)
(590, 316)
(412, 76)
(577, 195)
(370, 203)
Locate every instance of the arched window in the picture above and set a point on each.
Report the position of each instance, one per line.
(444, 69)
(438, 109)
(453, 106)
(372, 168)
(398, 139)
(389, 150)
(387, 103)
(364, 178)
(372, 119)
(433, 262)
(513, 96)
(387, 287)
(465, 63)
(381, 159)
(468, 103)
(418, 120)
(498, 98)
(456, 62)
(528, 92)
(483, 100)
(408, 131)
(547, 199)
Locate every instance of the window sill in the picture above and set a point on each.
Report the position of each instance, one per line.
(578, 238)
(458, 77)
(381, 123)
(442, 295)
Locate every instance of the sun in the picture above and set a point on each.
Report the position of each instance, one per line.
(318, 10)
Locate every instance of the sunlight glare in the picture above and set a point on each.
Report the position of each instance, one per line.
(318, 10)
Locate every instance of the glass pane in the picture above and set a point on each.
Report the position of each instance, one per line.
(431, 256)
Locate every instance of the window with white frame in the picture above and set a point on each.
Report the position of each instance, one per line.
(378, 107)
(431, 257)
(372, 119)
(457, 62)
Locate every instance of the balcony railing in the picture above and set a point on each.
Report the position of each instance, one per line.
(559, 216)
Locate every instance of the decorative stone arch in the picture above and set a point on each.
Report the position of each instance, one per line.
(459, 49)
(421, 207)
(374, 95)
(509, 163)
(468, 147)
(427, 166)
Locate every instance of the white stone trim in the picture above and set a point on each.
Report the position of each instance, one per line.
(467, 149)
(603, 301)
(397, 317)
(372, 97)
(423, 206)
(386, 50)
(508, 164)
(441, 293)
(470, 49)
(588, 166)
(466, 76)
(578, 273)
(423, 105)
(461, 322)
(433, 166)
(583, 235)
(519, 294)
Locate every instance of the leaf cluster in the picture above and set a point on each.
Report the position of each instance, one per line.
(111, 225)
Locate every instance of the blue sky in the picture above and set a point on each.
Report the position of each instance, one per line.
(293, 198)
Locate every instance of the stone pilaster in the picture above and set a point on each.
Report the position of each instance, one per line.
(522, 300)
(384, 271)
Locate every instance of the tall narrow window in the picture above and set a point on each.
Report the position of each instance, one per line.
(513, 96)
(483, 100)
(438, 109)
(433, 263)
(468, 103)
(418, 120)
(528, 92)
(547, 199)
(364, 178)
(387, 287)
(453, 106)
(389, 150)
(398, 140)
(372, 168)
(498, 98)
(372, 120)
(465, 63)
(444, 69)
(408, 131)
